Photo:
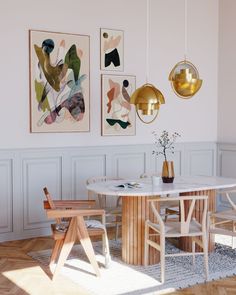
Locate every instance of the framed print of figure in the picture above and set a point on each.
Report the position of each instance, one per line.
(118, 115)
(112, 50)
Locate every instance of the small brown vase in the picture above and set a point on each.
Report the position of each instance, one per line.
(168, 174)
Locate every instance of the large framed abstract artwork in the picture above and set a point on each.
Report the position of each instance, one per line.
(59, 82)
(118, 115)
(112, 50)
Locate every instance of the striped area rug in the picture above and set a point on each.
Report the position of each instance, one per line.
(124, 279)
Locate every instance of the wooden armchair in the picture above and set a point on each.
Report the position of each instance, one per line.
(186, 227)
(71, 226)
(220, 221)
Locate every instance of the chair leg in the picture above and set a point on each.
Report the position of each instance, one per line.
(166, 214)
(86, 244)
(146, 245)
(67, 245)
(205, 250)
(56, 251)
(193, 250)
(162, 258)
(105, 244)
(106, 250)
(233, 238)
(117, 230)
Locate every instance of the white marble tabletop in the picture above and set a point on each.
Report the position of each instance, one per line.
(146, 188)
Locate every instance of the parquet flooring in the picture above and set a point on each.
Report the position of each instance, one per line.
(19, 274)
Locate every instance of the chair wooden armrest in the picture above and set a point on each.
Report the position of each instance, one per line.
(71, 204)
(55, 213)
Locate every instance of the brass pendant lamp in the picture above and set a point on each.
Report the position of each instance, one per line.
(184, 77)
(147, 98)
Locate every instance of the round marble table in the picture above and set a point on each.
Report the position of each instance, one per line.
(135, 208)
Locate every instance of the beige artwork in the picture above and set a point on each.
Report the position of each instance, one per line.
(59, 82)
(112, 50)
(118, 115)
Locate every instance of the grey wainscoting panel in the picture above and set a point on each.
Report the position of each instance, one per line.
(84, 167)
(227, 162)
(200, 159)
(6, 195)
(24, 173)
(130, 165)
(226, 168)
(201, 163)
(39, 172)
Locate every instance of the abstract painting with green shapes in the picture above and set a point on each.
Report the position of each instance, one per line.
(118, 115)
(59, 82)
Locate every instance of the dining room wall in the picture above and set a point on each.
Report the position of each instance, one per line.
(63, 161)
(226, 165)
(195, 118)
(227, 77)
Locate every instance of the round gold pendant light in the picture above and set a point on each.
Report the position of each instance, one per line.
(184, 77)
(147, 98)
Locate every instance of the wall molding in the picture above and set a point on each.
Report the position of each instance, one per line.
(6, 201)
(24, 173)
(226, 167)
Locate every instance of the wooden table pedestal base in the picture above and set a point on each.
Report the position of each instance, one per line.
(135, 210)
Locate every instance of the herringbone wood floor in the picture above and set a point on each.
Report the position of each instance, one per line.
(22, 275)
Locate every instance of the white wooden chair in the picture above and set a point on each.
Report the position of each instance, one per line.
(186, 227)
(113, 213)
(218, 220)
(167, 208)
(71, 226)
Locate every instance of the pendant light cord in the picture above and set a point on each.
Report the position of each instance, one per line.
(147, 39)
(185, 29)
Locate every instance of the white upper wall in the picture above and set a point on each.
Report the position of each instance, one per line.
(195, 119)
(227, 71)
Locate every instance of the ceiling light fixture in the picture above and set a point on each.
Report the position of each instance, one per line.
(184, 77)
(147, 98)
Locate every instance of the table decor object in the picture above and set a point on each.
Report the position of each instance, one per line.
(164, 143)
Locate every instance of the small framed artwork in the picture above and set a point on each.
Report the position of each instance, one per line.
(112, 50)
(118, 115)
(59, 82)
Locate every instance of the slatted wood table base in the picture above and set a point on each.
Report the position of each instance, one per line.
(186, 243)
(135, 210)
